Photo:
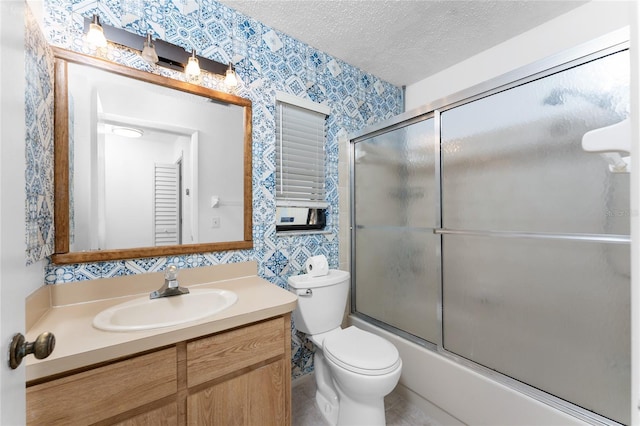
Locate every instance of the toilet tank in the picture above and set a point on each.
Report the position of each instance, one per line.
(321, 301)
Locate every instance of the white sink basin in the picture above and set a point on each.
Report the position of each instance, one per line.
(145, 314)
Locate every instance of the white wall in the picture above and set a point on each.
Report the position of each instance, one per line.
(453, 394)
(569, 30)
(221, 176)
(82, 113)
(129, 189)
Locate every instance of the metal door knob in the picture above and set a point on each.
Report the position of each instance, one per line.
(40, 348)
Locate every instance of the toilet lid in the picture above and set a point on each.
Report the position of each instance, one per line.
(361, 352)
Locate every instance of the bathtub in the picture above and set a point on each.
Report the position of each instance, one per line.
(453, 394)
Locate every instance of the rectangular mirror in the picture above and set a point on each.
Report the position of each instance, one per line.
(145, 165)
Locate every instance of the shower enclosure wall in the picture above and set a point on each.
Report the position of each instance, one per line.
(483, 230)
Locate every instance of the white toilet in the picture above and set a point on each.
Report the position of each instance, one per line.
(354, 369)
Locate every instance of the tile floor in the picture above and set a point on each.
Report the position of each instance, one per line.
(399, 412)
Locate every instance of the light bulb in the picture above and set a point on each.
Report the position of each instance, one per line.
(149, 53)
(230, 79)
(192, 70)
(95, 35)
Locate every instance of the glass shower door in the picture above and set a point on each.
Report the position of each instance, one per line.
(536, 248)
(396, 259)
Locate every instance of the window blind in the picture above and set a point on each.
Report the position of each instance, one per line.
(300, 156)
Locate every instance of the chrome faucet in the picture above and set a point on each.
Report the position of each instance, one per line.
(170, 286)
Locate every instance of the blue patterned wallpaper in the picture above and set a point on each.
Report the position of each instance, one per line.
(266, 61)
(39, 142)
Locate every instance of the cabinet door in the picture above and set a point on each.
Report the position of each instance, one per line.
(253, 398)
(164, 416)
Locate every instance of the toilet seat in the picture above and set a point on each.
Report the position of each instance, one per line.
(361, 352)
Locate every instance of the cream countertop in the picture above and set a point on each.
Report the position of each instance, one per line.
(72, 308)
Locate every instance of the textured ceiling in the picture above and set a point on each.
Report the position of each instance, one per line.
(402, 41)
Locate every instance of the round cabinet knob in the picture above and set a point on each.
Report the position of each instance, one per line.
(40, 348)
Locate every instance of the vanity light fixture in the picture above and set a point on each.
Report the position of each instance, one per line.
(149, 53)
(230, 79)
(95, 35)
(168, 55)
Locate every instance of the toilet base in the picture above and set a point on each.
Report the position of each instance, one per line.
(361, 413)
(326, 396)
(329, 411)
(348, 398)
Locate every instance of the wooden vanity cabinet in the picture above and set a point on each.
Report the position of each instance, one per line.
(237, 377)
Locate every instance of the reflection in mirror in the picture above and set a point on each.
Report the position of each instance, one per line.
(154, 166)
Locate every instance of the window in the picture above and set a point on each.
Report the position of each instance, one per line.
(300, 163)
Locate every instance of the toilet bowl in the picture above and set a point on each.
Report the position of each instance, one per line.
(364, 368)
(354, 369)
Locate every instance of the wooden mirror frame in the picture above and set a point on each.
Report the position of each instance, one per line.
(61, 163)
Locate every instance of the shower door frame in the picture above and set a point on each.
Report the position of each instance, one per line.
(614, 42)
(398, 122)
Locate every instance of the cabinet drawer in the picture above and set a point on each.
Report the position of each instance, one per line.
(224, 353)
(103, 392)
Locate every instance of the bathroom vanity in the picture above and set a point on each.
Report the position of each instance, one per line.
(231, 368)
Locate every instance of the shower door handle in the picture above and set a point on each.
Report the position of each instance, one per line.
(607, 238)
